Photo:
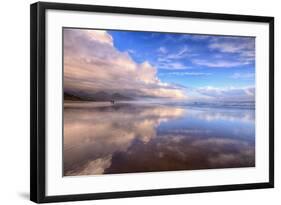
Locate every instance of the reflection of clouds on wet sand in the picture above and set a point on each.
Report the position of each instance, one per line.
(122, 138)
(97, 133)
(178, 152)
(96, 166)
(232, 115)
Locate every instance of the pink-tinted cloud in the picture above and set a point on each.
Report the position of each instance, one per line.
(92, 64)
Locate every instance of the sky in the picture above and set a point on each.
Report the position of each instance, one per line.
(160, 65)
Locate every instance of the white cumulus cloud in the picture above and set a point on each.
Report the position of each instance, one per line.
(92, 64)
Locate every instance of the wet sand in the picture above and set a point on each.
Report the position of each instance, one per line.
(105, 138)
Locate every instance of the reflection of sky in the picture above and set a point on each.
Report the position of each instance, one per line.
(235, 123)
(124, 138)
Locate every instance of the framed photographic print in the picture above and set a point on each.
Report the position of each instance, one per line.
(129, 102)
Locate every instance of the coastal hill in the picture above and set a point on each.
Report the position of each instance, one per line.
(97, 97)
(68, 96)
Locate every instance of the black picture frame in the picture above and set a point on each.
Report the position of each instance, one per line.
(38, 101)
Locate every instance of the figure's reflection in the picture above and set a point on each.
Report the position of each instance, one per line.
(124, 138)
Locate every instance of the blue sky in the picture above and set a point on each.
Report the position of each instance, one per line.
(165, 65)
(192, 60)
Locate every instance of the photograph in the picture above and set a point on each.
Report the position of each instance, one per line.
(139, 101)
(148, 101)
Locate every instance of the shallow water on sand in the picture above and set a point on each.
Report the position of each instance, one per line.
(101, 138)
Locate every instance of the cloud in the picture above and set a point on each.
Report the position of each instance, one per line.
(243, 75)
(162, 50)
(172, 60)
(100, 36)
(227, 52)
(228, 94)
(215, 63)
(181, 53)
(243, 47)
(131, 51)
(170, 65)
(226, 47)
(232, 44)
(168, 56)
(189, 73)
(92, 64)
(176, 38)
(199, 37)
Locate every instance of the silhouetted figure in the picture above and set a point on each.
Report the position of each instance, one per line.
(112, 101)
